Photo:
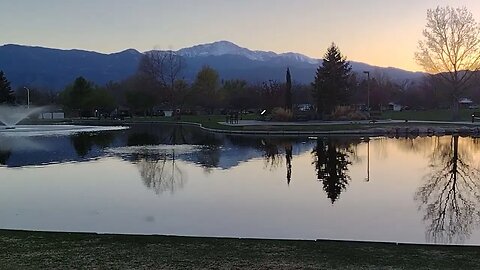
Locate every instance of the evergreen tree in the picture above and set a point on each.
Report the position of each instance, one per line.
(86, 98)
(288, 91)
(330, 88)
(6, 93)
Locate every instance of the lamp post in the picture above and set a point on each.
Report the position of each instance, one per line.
(368, 90)
(368, 139)
(28, 97)
(368, 161)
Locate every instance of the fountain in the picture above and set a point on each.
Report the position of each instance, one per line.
(10, 116)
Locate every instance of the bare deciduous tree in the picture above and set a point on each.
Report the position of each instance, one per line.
(152, 66)
(451, 48)
(165, 68)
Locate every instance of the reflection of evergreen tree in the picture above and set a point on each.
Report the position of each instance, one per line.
(84, 142)
(331, 162)
(103, 139)
(142, 138)
(451, 194)
(288, 158)
(4, 156)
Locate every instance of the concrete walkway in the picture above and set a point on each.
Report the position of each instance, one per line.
(251, 123)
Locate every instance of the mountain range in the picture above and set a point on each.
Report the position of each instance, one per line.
(55, 68)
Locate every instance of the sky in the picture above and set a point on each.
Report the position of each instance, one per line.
(378, 32)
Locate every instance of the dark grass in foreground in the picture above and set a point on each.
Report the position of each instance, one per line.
(40, 250)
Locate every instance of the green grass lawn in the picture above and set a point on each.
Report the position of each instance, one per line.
(432, 115)
(39, 250)
(212, 121)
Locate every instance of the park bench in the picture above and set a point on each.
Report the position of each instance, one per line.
(475, 116)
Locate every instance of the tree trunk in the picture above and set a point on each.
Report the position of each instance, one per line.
(455, 109)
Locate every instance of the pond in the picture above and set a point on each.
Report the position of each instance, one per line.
(180, 180)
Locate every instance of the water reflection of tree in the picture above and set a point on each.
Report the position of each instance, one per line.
(161, 173)
(84, 142)
(332, 158)
(4, 156)
(273, 155)
(288, 158)
(142, 138)
(210, 153)
(208, 156)
(168, 134)
(178, 134)
(451, 194)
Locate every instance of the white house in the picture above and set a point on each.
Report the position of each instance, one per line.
(395, 107)
(53, 115)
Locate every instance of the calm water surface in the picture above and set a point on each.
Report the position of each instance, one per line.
(180, 180)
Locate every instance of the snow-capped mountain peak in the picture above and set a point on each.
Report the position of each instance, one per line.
(300, 58)
(215, 49)
(220, 48)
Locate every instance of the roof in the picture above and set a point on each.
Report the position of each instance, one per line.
(465, 101)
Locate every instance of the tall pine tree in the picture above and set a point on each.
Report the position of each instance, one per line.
(288, 91)
(330, 88)
(6, 93)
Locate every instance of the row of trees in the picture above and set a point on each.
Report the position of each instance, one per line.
(146, 93)
(211, 94)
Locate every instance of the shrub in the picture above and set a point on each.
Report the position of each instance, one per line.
(348, 113)
(282, 115)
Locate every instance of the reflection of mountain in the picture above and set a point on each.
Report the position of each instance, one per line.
(450, 196)
(32, 151)
(332, 157)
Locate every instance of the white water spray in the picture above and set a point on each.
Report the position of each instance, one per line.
(10, 116)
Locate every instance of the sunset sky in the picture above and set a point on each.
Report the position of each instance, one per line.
(378, 32)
